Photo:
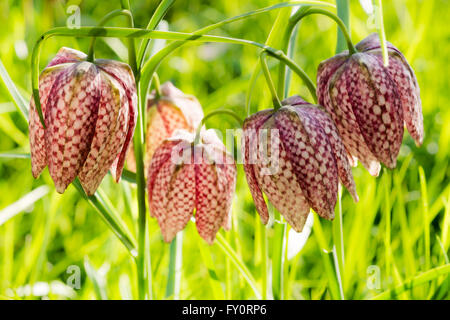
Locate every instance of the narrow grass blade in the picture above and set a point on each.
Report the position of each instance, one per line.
(112, 219)
(97, 280)
(13, 155)
(19, 101)
(426, 231)
(212, 274)
(229, 252)
(175, 262)
(421, 279)
(23, 203)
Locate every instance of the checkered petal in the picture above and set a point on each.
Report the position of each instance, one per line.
(123, 74)
(340, 154)
(407, 87)
(373, 42)
(405, 81)
(212, 194)
(311, 156)
(338, 104)
(249, 152)
(110, 133)
(370, 102)
(376, 106)
(172, 111)
(173, 200)
(70, 116)
(162, 155)
(36, 130)
(275, 175)
(67, 55)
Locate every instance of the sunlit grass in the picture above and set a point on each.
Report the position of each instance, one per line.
(396, 239)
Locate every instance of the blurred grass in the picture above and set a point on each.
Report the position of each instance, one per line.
(38, 245)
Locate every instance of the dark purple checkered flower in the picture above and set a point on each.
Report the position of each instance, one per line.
(90, 111)
(370, 103)
(296, 157)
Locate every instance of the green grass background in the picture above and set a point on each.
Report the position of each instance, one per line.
(399, 230)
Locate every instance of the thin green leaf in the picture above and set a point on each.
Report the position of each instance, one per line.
(421, 279)
(97, 280)
(13, 155)
(229, 252)
(100, 202)
(212, 272)
(23, 203)
(19, 101)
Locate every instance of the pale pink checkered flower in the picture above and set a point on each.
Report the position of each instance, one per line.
(90, 112)
(310, 159)
(371, 103)
(171, 111)
(184, 178)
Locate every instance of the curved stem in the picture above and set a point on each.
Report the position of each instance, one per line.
(175, 261)
(340, 23)
(382, 33)
(265, 68)
(292, 22)
(156, 18)
(152, 64)
(106, 18)
(211, 114)
(157, 85)
(142, 33)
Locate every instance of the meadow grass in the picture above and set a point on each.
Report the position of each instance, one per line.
(396, 238)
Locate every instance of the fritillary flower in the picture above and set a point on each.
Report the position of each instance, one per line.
(184, 177)
(90, 112)
(296, 157)
(370, 103)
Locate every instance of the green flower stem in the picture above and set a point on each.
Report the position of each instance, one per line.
(175, 260)
(343, 12)
(265, 68)
(152, 64)
(293, 21)
(381, 32)
(111, 218)
(106, 18)
(143, 261)
(231, 254)
(156, 18)
(143, 276)
(157, 85)
(340, 23)
(338, 239)
(142, 33)
(211, 114)
(131, 45)
(278, 258)
(287, 36)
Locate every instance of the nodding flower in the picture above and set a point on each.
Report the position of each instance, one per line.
(186, 178)
(90, 112)
(296, 157)
(370, 103)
